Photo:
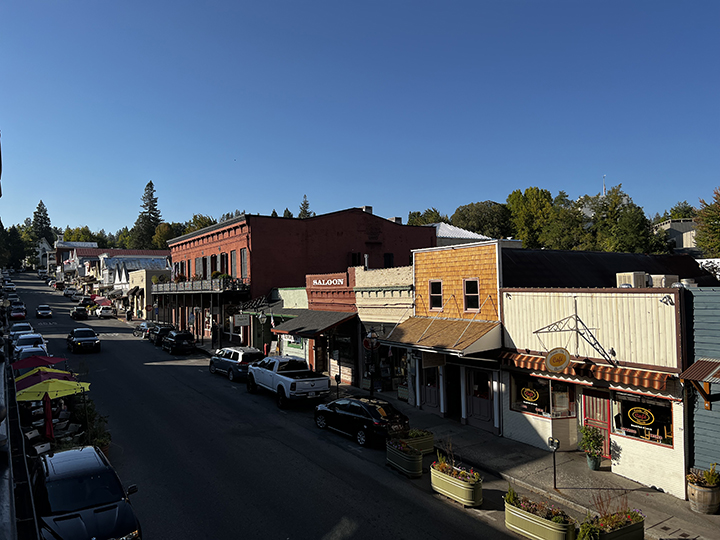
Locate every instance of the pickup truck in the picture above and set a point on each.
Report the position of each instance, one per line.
(289, 378)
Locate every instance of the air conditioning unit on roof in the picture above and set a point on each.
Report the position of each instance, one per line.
(638, 280)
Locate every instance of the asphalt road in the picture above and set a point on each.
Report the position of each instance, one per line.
(214, 462)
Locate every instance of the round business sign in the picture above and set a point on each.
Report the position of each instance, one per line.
(529, 394)
(557, 359)
(641, 416)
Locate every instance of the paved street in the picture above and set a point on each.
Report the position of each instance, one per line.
(212, 461)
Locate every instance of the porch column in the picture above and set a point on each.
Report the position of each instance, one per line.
(441, 385)
(463, 395)
(497, 396)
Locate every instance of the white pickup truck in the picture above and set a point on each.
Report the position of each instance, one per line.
(289, 378)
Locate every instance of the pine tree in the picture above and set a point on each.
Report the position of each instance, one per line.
(707, 237)
(4, 246)
(274, 213)
(41, 227)
(305, 209)
(144, 229)
(287, 213)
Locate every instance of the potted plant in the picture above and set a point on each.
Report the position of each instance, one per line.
(421, 439)
(404, 458)
(537, 520)
(592, 443)
(704, 491)
(615, 520)
(456, 482)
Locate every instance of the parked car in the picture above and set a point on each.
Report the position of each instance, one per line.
(78, 494)
(58, 285)
(83, 339)
(70, 292)
(17, 314)
(288, 378)
(43, 310)
(178, 341)
(79, 312)
(9, 286)
(158, 333)
(103, 311)
(142, 329)
(19, 327)
(364, 419)
(85, 301)
(27, 341)
(12, 297)
(234, 361)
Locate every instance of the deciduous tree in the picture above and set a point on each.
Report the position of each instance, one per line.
(530, 211)
(488, 218)
(707, 236)
(429, 216)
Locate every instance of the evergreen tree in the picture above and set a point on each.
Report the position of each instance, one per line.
(429, 216)
(274, 213)
(16, 248)
(4, 246)
(287, 213)
(305, 209)
(41, 227)
(123, 238)
(199, 221)
(707, 236)
(147, 221)
(682, 210)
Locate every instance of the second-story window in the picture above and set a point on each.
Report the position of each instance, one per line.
(243, 263)
(436, 301)
(471, 294)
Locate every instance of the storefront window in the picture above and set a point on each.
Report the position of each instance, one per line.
(643, 417)
(542, 396)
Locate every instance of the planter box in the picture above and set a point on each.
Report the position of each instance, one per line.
(408, 464)
(532, 526)
(703, 500)
(465, 493)
(426, 443)
(636, 531)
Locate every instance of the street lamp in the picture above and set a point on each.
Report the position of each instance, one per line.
(372, 344)
(262, 318)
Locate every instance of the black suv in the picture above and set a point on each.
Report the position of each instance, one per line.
(79, 313)
(83, 339)
(78, 490)
(158, 333)
(178, 341)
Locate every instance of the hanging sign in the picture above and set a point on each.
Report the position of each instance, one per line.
(557, 359)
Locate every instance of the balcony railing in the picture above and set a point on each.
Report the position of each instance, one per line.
(202, 285)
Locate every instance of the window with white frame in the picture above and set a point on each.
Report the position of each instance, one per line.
(471, 294)
(436, 297)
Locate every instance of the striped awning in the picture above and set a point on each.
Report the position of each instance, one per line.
(619, 375)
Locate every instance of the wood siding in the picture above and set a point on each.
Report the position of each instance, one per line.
(706, 335)
(452, 266)
(637, 325)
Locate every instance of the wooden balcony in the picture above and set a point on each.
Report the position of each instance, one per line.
(202, 285)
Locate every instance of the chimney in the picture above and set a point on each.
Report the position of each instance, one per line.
(397, 220)
(367, 209)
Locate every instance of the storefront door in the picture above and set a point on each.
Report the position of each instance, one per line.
(480, 399)
(430, 389)
(596, 413)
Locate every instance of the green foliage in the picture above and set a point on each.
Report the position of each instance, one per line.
(274, 213)
(4, 246)
(215, 274)
(148, 220)
(682, 210)
(511, 497)
(487, 218)
(565, 227)
(123, 238)
(707, 478)
(287, 213)
(41, 227)
(592, 441)
(199, 221)
(429, 216)
(305, 209)
(707, 236)
(529, 212)
(180, 278)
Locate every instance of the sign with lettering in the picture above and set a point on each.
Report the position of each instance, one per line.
(557, 359)
(241, 319)
(529, 394)
(337, 282)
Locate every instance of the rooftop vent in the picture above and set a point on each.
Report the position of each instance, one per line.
(367, 209)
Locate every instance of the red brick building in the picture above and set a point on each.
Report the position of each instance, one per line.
(260, 253)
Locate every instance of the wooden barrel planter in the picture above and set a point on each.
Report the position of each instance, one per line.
(425, 443)
(466, 493)
(704, 500)
(408, 460)
(535, 527)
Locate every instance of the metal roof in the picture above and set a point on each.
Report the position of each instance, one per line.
(311, 323)
(445, 230)
(463, 336)
(703, 370)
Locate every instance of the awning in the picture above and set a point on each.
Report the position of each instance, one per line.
(619, 375)
(133, 291)
(313, 323)
(115, 293)
(701, 374)
(455, 336)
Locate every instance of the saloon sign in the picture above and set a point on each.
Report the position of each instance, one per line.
(557, 359)
(329, 282)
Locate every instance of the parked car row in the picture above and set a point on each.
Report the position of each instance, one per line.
(166, 336)
(24, 341)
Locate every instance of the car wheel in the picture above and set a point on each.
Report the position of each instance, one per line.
(361, 437)
(281, 398)
(212, 367)
(251, 386)
(231, 375)
(321, 421)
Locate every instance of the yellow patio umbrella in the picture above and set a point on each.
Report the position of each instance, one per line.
(54, 388)
(41, 369)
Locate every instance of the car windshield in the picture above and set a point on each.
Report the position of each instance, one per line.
(20, 327)
(292, 365)
(85, 333)
(43, 307)
(29, 340)
(73, 494)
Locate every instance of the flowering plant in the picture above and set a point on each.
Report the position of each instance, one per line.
(708, 478)
(402, 446)
(415, 433)
(609, 518)
(461, 473)
(540, 509)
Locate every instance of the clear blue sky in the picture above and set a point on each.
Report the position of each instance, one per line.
(401, 105)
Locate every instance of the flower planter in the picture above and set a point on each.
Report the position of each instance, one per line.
(425, 444)
(532, 526)
(466, 493)
(634, 531)
(593, 462)
(703, 500)
(408, 464)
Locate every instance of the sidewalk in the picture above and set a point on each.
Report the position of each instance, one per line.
(531, 469)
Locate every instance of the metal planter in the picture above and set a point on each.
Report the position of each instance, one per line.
(466, 493)
(634, 531)
(408, 464)
(532, 526)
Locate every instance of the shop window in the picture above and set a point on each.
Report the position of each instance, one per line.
(243, 263)
(436, 301)
(643, 417)
(555, 399)
(471, 294)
